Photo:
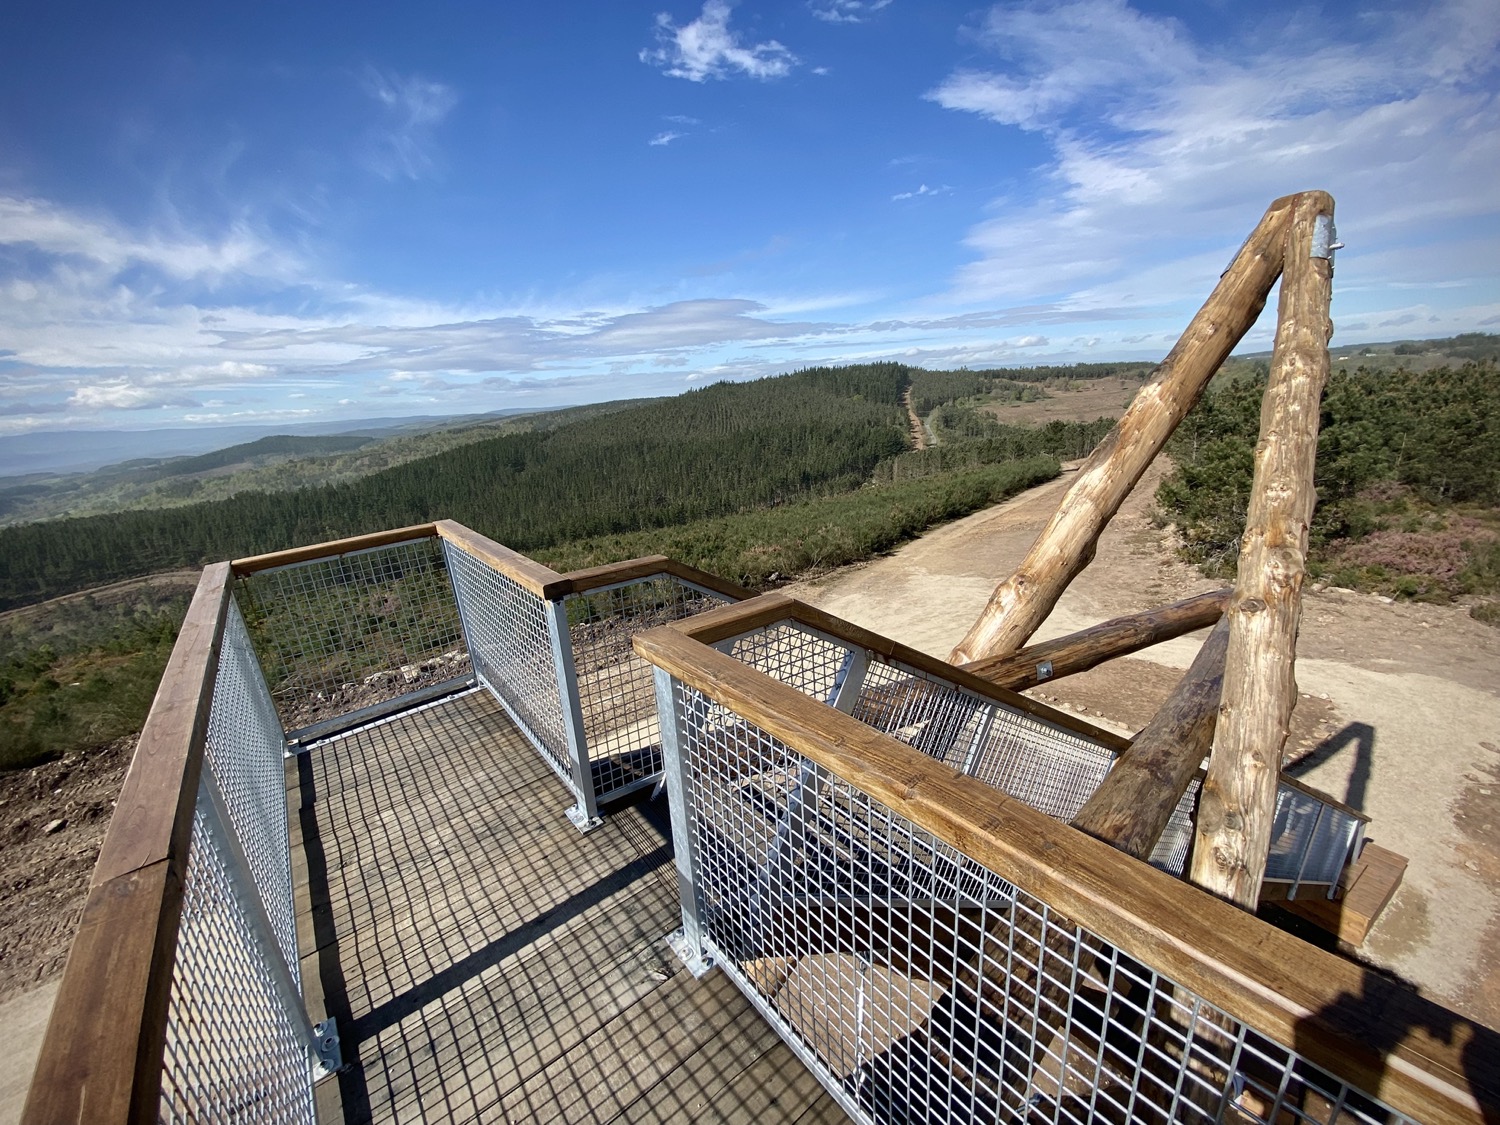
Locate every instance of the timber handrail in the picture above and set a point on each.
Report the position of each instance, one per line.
(332, 549)
(612, 574)
(1433, 1064)
(727, 621)
(528, 573)
(101, 1057)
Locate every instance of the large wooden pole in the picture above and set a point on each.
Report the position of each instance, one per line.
(1022, 602)
(1260, 689)
(1130, 810)
(1087, 648)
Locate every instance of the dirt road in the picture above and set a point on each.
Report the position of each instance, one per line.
(1399, 716)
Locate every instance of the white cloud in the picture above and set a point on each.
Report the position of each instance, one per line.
(705, 48)
(846, 11)
(412, 107)
(120, 394)
(1164, 151)
(943, 189)
(664, 139)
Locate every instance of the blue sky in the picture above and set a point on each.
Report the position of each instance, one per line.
(279, 213)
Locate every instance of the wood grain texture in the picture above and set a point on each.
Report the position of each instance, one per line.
(723, 622)
(154, 812)
(101, 1058)
(333, 548)
(1088, 648)
(1238, 800)
(1373, 1032)
(528, 573)
(1131, 808)
(1066, 545)
(582, 581)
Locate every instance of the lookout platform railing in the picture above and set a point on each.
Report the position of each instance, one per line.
(936, 949)
(933, 948)
(181, 999)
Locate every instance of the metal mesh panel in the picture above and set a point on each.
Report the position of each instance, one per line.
(920, 986)
(615, 692)
(233, 1053)
(1310, 840)
(511, 646)
(806, 660)
(340, 634)
(245, 753)
(1050, 767)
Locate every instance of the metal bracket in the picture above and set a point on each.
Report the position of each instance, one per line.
(1324, 240)
(326, 1047)
(581, 820)
(1044, 671)
(697, 963)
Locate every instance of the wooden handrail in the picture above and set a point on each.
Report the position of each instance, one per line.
(1374, 1033)
(541, 580)
(592, 578)
(333, 548)
(101, 1057)
(722, 622)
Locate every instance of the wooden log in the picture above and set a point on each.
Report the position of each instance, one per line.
(1022, 602)
(1131, 808)
(1239, 794)
(1120, 636)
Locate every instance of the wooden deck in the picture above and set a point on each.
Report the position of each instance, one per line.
(485, 961)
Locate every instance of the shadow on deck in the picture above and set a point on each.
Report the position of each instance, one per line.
(487, 961)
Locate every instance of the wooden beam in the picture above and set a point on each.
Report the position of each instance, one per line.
(527, 573)
(333, 548)
(609, 574)
(1022, 602)
(1120, 636)
(1131, 808)
(101, 1057)
(1238, 800)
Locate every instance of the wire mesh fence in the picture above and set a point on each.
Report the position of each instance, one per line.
(1051, 767)
(617, 701)
(238, 1046)
(341, 634)
(921, 986)
(510, 642)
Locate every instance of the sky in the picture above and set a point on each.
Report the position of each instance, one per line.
(281, 213)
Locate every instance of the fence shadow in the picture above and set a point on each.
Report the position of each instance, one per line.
(1359, 735)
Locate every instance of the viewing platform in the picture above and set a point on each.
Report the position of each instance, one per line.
(413, 818)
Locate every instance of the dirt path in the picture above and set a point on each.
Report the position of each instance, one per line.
(918, 431)
(1400, 714)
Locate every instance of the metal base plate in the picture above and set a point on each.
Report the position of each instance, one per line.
(695, 962)
(581, 820)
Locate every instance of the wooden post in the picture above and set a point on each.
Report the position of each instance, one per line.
(1131, 808)
(1120, 636)
(1239, 795)
(1022, 602)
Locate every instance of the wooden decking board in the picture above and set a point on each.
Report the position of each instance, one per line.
(488, 961)
(537, 1006)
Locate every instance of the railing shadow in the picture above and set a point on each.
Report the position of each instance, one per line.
(450, 917)
(1362, 737)
(1389, 1013)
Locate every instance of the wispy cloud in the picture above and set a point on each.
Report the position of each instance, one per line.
(705, 48)
(942, 189)
(403, 143)
(1152, 131)
(846, 11)
(664, 139)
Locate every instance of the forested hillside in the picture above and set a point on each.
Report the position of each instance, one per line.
(722, 449)
(1408, 478)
